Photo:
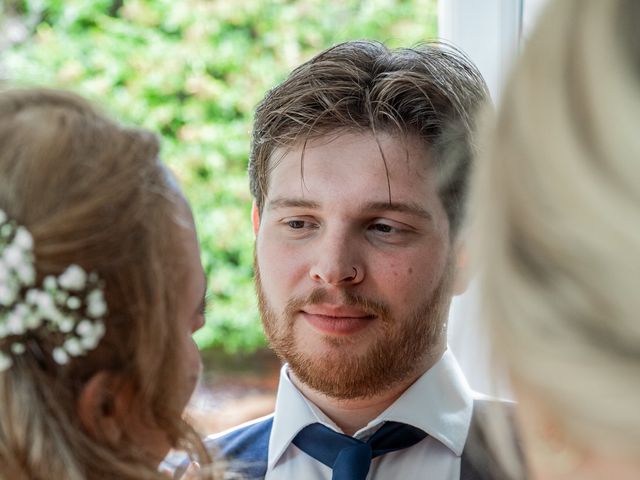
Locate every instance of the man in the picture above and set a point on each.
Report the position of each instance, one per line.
(357, 214)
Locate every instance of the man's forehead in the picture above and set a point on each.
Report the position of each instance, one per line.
(377, 173)
(380, 148)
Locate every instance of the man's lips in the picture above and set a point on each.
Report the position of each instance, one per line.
(338, 311)
(337, 319)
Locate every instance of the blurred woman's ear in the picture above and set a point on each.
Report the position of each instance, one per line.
(104, 402)
(112, 414)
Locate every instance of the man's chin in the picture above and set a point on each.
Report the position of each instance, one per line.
(342, 373)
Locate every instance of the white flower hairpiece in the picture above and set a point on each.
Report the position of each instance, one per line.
(66, 312)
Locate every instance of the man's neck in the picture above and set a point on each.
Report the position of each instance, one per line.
(353, 414)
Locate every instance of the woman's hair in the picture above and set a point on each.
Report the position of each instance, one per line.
(91, 193)
(557, 221)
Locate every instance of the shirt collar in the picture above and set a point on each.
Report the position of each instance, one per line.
(440, 402)
(293, 412)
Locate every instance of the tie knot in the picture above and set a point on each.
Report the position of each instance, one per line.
(350, 458)
(353, 461)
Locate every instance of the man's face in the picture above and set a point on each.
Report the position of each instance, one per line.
(354, 289)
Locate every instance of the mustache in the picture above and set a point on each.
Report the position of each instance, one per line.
(320, 295)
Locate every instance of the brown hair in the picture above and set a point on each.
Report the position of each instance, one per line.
(92, 193)
(431, 91)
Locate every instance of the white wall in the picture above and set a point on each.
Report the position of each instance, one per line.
(488, 31)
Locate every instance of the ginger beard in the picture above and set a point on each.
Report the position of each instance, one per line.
(397, 353)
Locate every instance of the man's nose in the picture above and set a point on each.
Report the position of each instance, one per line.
(337, 261)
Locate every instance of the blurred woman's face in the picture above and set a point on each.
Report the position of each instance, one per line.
(190, 283)
(191, 306)
(552, 454)
(130, 416)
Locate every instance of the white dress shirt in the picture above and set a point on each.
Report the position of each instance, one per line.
(440, 402)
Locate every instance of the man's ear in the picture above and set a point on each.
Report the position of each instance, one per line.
(103, 405)
(255, 218)
(462, 271)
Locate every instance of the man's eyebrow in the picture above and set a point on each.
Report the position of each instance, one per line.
(292, 203)
(401, 207)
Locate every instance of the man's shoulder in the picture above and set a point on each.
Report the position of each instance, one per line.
(480, 460)
(242, 450)
(250, 435)
(487, 410)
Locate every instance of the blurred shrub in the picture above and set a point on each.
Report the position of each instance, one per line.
(193, 70)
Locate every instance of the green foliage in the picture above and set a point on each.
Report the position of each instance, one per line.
(193, 70)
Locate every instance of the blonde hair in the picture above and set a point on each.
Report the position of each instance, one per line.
(93, 193)
(557, 221)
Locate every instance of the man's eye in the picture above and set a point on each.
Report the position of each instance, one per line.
(382, 227)
(296, 224)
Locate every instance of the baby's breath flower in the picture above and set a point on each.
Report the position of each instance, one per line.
(32, 296)
(60, 296)
(60, 356)
(26, 273)
(73, 347)
(85, 328)
(49, 283)
(17, 320)
(73, 303)
(54, 308)
(21, 310)
(12, 256)
(90, 341)
(73, 278)
(7, 294)
(45, 305)
(96, 307)
(91, 333)
(66, 325)
(23, 239)
(15, 324)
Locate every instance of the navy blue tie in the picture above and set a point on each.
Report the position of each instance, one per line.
(350, 458)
